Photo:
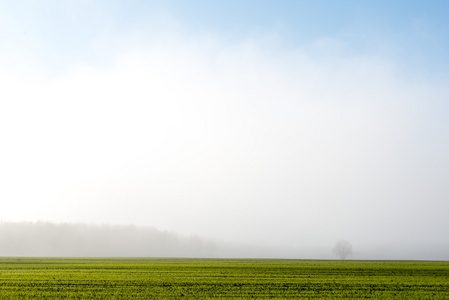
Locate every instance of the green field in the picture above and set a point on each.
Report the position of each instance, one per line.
(77, 278)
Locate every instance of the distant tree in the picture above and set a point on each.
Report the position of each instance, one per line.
(342, 248)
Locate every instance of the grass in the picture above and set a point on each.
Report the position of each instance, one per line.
(103, 278)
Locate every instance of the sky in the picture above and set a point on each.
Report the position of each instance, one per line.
(289, 124)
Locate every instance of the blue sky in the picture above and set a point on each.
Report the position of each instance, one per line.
(290, 124)
(412, 33)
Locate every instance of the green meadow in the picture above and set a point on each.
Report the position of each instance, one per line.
(153, 278)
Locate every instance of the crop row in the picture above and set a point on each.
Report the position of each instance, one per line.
(54, 278)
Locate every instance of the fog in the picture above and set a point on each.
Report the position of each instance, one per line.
(47, 239)
(89, 240)
(270, 140)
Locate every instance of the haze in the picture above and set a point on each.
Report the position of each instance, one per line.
(277, 127)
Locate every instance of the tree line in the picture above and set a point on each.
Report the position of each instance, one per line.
(79, 239)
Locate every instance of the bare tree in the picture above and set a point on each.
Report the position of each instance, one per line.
(342, 248)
